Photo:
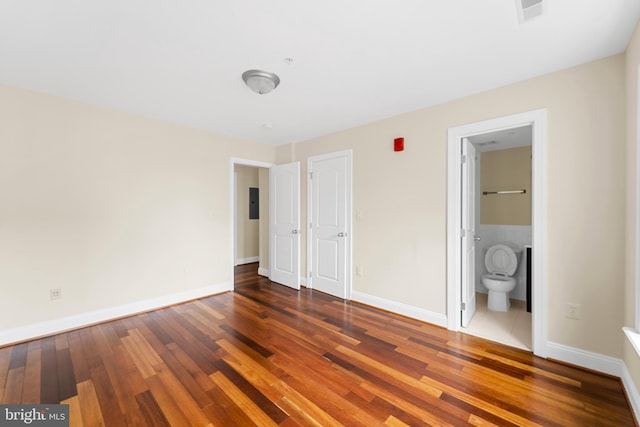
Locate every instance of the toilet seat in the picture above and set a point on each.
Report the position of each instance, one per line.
(501, 260)
(500, 277)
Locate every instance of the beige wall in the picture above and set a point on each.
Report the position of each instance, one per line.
(631, 359)
(114, 208)
(505, 170)
(247, 237)
(400, 242)
(110, 207)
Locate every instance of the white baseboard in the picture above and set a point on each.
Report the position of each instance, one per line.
(586, 359)
(400, 308)
(575, 356)
(242, 261)
(632, 391)
(601, 363)
(29, 332)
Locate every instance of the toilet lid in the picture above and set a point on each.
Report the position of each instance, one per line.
(501, 259)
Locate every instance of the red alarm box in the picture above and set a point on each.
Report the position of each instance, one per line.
(398, 144)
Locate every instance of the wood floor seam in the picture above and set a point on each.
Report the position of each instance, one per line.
(268, 355)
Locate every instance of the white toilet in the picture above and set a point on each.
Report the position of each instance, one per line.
(501, 262)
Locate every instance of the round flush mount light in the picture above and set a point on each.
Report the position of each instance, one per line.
(260, 81)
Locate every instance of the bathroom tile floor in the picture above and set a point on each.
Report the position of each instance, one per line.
(512, 328)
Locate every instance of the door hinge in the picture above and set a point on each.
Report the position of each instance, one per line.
(463, 232)
(463, 306)
(463, 159)
(310, 175)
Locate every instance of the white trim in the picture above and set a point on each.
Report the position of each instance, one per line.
(631, 390)
(633, 334)
(538, 119)
(454, 221)
(627, 380)
(232, 195)
(601, 363)
(400, 308)
(585, 359)
(63, 324)
(234, 206)
(249, 260)
(637, 236)
(263, 272)
(349, 207)
(633, 337)
(309, 281)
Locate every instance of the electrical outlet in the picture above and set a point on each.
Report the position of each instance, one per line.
(572, 311)
(55, 293)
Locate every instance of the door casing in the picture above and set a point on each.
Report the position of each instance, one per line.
(468, 223)
(538, 120)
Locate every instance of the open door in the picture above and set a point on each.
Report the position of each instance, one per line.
(284, 224)
(468, 227)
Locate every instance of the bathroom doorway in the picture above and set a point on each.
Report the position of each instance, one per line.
(482, 135)
(502, 198)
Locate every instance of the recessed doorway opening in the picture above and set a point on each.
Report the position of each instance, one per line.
(461, 231)
(502, 217)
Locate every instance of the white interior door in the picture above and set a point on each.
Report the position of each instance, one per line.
(284, 224)
(468, 291)
(330, 213)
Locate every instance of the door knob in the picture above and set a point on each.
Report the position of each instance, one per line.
(294, 231)
(341, 234)
(476, 238)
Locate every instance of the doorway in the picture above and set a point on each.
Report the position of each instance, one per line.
(249, 235)
(455, 235)
(500, 206)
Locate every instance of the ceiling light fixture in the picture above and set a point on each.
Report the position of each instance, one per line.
(260, 81)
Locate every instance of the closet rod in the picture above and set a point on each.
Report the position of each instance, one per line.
(504, 192)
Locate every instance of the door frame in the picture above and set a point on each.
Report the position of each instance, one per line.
(538, 120)
(469, 239)
(232, 195)
(348, 206)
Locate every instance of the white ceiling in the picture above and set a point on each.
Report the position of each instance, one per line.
(354, 61)
(503, 139)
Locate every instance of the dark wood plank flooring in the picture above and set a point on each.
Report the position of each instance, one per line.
(268, 355)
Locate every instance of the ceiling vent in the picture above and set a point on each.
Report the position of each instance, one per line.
(529, 9)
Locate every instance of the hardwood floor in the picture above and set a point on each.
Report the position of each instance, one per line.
(268, 355)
